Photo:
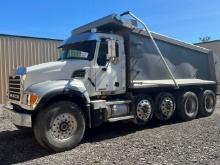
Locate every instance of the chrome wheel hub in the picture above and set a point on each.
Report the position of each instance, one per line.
(63, 126)
(144, 110)
(167, 106)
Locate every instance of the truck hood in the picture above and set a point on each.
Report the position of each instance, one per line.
(58, 70)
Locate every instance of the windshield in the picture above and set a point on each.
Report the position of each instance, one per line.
(81, 50)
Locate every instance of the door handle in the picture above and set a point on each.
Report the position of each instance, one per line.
(104, 69)
(117, 84)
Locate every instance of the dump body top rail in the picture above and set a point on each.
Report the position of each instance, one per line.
(169, 83)
(114, 23)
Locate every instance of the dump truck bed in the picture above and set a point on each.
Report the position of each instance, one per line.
(190, 64)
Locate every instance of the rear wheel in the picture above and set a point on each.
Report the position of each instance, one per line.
(207, 101)
(144, 109)
(60, 127)
(187, 106)
(165, 106)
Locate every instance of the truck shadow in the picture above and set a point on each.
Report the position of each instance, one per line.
(117, 129)
(18, 146)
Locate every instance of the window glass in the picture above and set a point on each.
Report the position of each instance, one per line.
(81, 50)
(102, 55)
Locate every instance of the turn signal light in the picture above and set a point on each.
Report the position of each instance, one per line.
(32, 99)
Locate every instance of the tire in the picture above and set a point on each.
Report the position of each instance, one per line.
(165, 106)
(144, 109)
(207, 101)
(187, 106)
(60, 127)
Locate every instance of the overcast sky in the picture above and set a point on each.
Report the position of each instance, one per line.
(186, 20)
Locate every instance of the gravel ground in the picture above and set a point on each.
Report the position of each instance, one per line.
(194, 142)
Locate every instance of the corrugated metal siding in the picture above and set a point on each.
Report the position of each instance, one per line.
(23, 51)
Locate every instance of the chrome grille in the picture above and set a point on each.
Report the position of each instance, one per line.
(14, 91)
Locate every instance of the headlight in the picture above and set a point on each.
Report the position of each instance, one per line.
(24, 77)
(32, 99)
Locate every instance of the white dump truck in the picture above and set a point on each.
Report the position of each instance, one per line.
(110, 70)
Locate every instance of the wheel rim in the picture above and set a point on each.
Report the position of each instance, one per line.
(63, 126)
(209, 103)
(144, 110)
(167, 106)
(190, 106)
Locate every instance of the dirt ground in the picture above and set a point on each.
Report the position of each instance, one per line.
(173, 142)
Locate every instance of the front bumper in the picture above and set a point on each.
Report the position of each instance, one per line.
(20, 119)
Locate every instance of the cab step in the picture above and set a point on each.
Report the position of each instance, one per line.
(120, 118)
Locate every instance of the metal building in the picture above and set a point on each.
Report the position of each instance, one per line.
(215, 47)
(212, 45)
(23, 51)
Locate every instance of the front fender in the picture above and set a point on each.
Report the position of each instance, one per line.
(49, 89)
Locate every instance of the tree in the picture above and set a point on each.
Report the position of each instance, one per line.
(205, 39)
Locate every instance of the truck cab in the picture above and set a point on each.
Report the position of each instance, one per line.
(108, 71)
(94, 60)
(105, 56)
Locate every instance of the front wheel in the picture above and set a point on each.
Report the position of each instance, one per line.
(60, 127)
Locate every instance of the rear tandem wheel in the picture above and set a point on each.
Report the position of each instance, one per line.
(187, 106)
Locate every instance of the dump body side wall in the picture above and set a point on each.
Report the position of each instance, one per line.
(144, 63)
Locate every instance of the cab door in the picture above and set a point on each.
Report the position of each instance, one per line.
(110, 69)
